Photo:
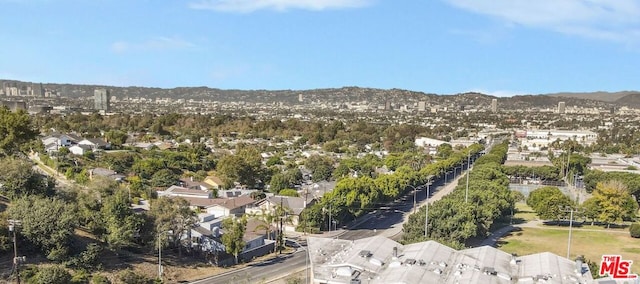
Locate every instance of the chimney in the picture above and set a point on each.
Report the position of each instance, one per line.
(395, 252)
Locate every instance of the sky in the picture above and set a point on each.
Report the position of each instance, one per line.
(498, 47)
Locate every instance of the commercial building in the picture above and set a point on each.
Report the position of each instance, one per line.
(101, 99)
(561, 107)
(494, 105)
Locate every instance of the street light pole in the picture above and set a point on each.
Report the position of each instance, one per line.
(426, 214)
(414, 198)
(466, 192)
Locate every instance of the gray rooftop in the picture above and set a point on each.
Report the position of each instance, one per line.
(373, 260)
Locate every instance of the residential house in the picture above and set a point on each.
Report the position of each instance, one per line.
(54, 141)
(214, 181)
(186, 193)
(95, 144)
(235, 192)
(192, 184)
(79, 149)
(292, 205)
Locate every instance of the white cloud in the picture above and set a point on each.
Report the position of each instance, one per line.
(617, 20)
(153, 44)
(247, 6)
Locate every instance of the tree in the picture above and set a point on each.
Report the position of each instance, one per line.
(17, 130)
(289, 192)
(266, 219)
(122, 225)
(19, 179)
(116, 137)
(232, 239)
(164, 178)
(244, 167)
(321, 167)
(174, 216)
(549, 202)
(49, 223)
(591, 209)
(444, 150)
(278, 183)
(614, 201)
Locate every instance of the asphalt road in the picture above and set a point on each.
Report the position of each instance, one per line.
(262, 272)
(389, 222)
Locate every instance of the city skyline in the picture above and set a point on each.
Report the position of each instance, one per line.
(447, 46)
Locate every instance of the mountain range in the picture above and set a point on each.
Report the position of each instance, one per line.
(344, 95)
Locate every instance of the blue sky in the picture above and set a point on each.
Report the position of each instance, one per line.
(499, 47)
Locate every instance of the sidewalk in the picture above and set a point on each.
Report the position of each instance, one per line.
(46, 170)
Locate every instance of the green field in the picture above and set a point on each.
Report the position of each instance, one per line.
(591, 244)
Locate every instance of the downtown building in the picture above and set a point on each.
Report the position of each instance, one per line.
(101, 100)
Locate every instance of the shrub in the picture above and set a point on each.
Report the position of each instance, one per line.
(52, 275)
(100, 279)
(634, 230)
(131, 277)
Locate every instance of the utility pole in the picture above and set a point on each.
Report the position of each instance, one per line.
(571, 210)
(13, 224)
(281, 237)
(160, 255)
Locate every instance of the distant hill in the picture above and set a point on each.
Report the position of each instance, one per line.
(395, 97)
(596, 96)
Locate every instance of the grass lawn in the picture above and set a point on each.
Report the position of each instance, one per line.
(591, 244)
(524, 212)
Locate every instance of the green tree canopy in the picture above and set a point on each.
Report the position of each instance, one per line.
(549, 202)
(321, 167)
(232, 239)
(174, 216)
(19, 179)
(49, 223)
(614, 201)
(289, 192)
(16, 130)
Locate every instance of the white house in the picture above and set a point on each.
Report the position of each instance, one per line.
(79, 149)
(179, 191)
(95, 143)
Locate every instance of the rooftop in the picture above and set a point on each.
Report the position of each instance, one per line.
(382, 260)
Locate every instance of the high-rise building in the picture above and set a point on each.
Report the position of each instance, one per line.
(101, 99)
(422, 106)
(561, 107)
(494, 105)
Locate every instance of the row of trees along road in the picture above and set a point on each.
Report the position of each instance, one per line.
(354, 196)
(453, 221)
